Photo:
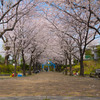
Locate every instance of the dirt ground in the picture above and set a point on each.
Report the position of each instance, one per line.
(50, 84)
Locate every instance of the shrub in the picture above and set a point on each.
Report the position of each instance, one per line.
(89, 66)
(51, 68)
(18, 68)
(75, 61)
(1, 60)
(98, 51)
(8, 69)
(26, 66)
(76, 68)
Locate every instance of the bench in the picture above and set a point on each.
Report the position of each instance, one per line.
(96, 73)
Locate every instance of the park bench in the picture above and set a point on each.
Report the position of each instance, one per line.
(37, 71)
(96, 73)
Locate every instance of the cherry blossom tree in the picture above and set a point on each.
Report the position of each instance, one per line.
(85, 12)
(11, 13)
(75, 22)
(81, 33)
(17, 40)
(68, 47)
(26, 41)
(7, 9)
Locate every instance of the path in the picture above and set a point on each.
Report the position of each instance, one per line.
(50, 84)
(49, 98)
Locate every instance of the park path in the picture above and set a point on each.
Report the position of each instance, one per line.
(50, 84)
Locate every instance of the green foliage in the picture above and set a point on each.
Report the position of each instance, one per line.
(46, 98)
(75, 61)
(2, 60)
(88, 52)
(26, 66)
(98, 50)
(45, 66)
(8, 69)
(60, 67)
(76, 68)
(51, 68)
(89, 66)
(63, 67)
(18, 68)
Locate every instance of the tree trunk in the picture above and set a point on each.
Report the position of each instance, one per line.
(81, 66)
(33, 66)
(29, 73)
(23, 63)
(15, 68)
(6, 59)
(36, 66)
(70, 65)
(7, 55)
(66, 67)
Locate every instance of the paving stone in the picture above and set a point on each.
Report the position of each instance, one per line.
(49, 97)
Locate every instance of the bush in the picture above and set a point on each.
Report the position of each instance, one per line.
(8, 69)
(26, 66)
(89, 66)
(75, 61)
(63, 67)
(51, 68)
(98, 50)
(18, 68)
(2, 60)
(74, 68)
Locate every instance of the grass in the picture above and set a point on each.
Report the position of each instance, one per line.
(46, 98)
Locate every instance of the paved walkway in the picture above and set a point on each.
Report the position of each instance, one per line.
(50, 84)
(50, 98)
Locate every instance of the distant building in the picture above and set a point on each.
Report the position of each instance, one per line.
(93, 49)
